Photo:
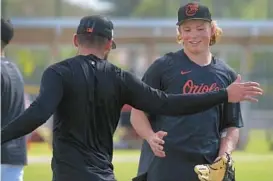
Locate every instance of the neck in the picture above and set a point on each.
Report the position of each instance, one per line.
(89, 51)
(202, 59)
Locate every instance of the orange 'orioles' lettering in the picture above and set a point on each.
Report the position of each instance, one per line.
(191, 88)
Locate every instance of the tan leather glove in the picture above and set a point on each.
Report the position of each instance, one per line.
(221, 170)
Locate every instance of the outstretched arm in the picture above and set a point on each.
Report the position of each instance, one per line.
(141, 96)
(231, 123)
(51, 92)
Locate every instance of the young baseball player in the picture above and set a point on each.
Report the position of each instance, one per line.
(174, 145)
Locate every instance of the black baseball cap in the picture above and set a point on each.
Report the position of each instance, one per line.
(6, 31)
(193, 10)
(97, 25)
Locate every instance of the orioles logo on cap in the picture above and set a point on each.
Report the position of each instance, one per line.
(89, 30)
(191, 9)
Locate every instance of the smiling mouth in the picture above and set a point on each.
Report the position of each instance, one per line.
(194, 42)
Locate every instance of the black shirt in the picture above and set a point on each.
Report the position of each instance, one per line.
(12, 105)
(86, 95)
(192, 139)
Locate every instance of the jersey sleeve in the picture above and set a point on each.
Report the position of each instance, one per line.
(141, 96)
(51, 92)
(232, 116)
(152, 76)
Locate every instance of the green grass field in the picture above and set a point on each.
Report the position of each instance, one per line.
(254, 164)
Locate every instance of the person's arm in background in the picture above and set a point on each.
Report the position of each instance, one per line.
(231, 124)
(142, 125)
(139, 119)
(230, 133)
(51, 92)
(2, 100)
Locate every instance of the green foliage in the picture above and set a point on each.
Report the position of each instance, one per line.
(42, 8)
(123, 7)
(67, 52)
(31, 61)
(159, 8)
(243, 9)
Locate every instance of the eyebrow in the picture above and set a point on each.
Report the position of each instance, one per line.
(198, 26)
(202, 24)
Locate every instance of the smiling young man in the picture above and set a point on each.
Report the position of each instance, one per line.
(193, 139)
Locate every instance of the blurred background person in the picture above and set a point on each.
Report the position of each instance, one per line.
(13, 153)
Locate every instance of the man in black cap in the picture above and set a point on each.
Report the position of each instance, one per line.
(13, 153)
(86, 93)
(175, 144)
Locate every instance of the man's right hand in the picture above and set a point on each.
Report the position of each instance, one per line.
(156, 143)
(243, 91)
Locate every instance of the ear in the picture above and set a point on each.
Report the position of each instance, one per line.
(179, 30)
(179, 37)
(213, 29)
(75, 40)
(108, 46)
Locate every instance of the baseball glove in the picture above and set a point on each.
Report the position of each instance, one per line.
(221, 170)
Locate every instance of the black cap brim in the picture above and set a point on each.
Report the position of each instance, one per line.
(181, 22)
(114, 45)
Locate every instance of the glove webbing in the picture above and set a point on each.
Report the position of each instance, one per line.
(230, 172)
